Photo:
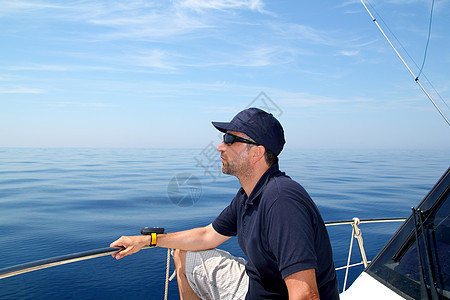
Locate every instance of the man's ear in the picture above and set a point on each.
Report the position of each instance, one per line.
(259, 152)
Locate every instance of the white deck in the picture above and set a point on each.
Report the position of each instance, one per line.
(366, 287)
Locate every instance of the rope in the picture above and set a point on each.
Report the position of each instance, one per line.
(358, 236)
(166, 285)
(348, 260)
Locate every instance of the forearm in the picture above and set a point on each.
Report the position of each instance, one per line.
(302, 285)
(191, 240)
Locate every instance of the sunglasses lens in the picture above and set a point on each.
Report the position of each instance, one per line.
(228, 139)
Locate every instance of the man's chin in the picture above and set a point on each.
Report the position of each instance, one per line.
(225, 170)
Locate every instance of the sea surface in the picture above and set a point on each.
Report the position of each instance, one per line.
(60, 201)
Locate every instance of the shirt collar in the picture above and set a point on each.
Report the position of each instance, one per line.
(261, 183)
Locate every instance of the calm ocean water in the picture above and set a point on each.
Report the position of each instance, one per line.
(60, 201)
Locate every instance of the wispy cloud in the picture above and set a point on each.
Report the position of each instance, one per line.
(21, 91)
(82, 104)
(146, 29)
(348, 3)
(299, 99)
(349, 52)
(154, 58)
(154, 21)
(255, 5)
(302, 32)
(152, 24)
(10, 7)
(58, 68)
(261, 56)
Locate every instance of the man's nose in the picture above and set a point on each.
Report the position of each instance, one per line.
(221, 147)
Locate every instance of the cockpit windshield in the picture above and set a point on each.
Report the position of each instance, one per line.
(415, 263)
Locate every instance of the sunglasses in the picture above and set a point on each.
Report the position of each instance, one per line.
(229, 139)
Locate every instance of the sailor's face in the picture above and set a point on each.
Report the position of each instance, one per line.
(235, 156)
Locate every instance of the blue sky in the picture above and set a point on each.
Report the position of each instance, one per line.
(155, 73)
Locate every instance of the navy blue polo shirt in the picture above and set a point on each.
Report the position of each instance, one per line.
(281, 232)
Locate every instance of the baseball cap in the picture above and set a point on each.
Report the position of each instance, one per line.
(259, 125)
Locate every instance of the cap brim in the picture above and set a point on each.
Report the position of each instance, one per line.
(223, 126)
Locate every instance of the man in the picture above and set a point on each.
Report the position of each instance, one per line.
(279, 227)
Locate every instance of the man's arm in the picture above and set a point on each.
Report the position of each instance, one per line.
(196, 239)
(302, 285)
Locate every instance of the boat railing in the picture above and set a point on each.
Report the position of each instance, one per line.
(75, 257)
(357, 234)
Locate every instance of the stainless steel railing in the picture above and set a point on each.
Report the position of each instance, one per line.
(54, 261)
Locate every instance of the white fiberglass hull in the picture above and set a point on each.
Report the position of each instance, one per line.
(366, 287)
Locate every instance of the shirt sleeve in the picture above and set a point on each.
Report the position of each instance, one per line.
(291, 234)
(226, 221)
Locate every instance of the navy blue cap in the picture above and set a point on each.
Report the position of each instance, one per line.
(259, 125)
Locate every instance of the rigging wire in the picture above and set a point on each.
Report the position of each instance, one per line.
(428, 39)
(385, 25)
(406, 65)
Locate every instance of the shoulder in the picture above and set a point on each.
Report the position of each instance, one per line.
(282, 187)
(286, 197)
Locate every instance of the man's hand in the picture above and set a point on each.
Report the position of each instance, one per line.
(130, 245)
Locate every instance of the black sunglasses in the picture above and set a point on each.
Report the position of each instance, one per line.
(229, 139)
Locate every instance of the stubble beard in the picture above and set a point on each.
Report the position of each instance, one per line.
(236, 167)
